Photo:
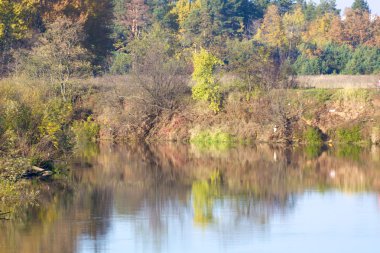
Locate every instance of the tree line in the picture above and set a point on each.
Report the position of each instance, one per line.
(309, 38)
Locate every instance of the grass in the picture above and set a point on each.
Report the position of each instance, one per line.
(216, 139)
(352, 95)
(337, 81)
(320, 95)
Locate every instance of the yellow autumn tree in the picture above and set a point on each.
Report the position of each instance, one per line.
(294, 26)
(318, 31)
(182, 9)
(206, 87)
(271, 31)
(14, 18)
(70, 8)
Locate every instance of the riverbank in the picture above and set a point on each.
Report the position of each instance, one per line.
(289, 116)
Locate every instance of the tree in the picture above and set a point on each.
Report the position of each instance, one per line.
(360, 5)
(15, 22)
(207, 23)
(307, 65)
(376, 33)
(327, 6)
(59, 55)
(334, 58)
(364, 61)
(357, 28)
(336, 33)
(182, 10)
(136, 16)
(97, 29)
(294, 26)
(253, 64)
(206, 87)
(94, 15)
(271, 31)
(284, 5)
(318, 30)
(160, 75)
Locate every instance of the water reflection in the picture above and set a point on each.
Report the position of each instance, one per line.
(155, 198)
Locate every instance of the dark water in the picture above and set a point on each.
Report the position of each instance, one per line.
(174, 198)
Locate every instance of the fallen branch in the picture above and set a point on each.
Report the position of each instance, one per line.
(37, 169)
(37, 172)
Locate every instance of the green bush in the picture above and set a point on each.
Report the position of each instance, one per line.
(55, 122)
(312, 136)
(349, 135)
(86, 131)
(121, 63)
(313, 151)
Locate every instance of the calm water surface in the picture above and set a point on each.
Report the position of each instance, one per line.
(178, 198)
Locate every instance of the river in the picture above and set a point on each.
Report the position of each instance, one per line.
(182, 198)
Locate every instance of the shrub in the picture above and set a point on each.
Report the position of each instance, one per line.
(312, 136)
(121, 63)
(86, 131)
(55, 122)
(349, 135)
(160, 73)
(206, 87)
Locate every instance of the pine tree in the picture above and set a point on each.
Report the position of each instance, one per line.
(361, 5)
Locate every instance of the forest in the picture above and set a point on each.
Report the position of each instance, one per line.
(101, 35)
(203, 71)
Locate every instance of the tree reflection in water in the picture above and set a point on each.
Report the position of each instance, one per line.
(148, 186)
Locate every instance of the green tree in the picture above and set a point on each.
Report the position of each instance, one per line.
(327, 6)
(206, 87)
(360, 5)
(364, 61)
(284, 5)
(334, 58)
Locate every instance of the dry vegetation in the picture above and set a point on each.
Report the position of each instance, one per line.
(338, 81)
